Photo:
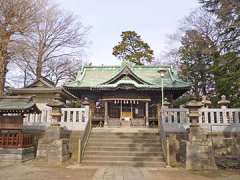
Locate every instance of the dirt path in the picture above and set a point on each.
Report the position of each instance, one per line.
(34, 171)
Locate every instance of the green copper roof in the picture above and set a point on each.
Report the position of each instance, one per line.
(138, 76)
(16, 104)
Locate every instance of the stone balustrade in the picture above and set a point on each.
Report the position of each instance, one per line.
(71, 119)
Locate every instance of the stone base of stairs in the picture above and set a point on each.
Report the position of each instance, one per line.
(135, 147)
(74, 144)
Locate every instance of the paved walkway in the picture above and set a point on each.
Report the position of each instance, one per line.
(121, 173)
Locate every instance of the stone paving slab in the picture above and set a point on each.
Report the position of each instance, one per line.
(121, 173)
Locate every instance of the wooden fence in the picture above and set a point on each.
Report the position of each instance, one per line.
(16, 140)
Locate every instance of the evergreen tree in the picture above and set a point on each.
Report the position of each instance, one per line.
(133, 49)
(196, 59)
(226, 66)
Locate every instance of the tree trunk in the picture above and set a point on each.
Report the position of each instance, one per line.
(39, 67)
(4, 40)
(25, 78)
(196, 91)
(2, 73)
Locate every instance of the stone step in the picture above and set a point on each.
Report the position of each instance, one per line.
(123, 163)
(124, 138)
(109, 138)
(110, 148)
(123, 135)
(123, 153)
(123, 158)
(124, 149)
(123, 144)
(123, 141)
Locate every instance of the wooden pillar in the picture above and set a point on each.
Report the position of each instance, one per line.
(121, 110)
(158, 114)
(146, 115)
(131, 111)
(106, 113)
(171, 101)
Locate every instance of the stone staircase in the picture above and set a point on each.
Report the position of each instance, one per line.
(137, 149)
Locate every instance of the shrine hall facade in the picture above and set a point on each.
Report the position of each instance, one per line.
(126, 95)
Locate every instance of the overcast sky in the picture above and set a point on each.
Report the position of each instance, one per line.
(152, 19)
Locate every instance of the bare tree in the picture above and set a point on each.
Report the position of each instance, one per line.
(16, 18)
(55, 36)
(197, 42)
(205, 23)
(62, 69)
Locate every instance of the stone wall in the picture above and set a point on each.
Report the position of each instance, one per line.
(20, 154)
(224, 145)
(180, 147)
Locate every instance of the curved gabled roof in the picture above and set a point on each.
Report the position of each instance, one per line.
(102, 77)
(17, 104)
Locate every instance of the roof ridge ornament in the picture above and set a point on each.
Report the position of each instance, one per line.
(126, 71)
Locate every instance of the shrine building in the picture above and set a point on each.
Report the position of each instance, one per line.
(126, 95)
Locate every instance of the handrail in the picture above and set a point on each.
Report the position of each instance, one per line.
(84, 138)
(164, 138)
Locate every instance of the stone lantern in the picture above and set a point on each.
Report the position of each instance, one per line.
(193, 107)
(223, 102)
(198, 150)
(54, 145)
(205, 101)
(56, 104)
(166, 104)
(85, 102)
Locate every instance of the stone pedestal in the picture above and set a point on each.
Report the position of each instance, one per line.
(199, 156)
(52, 133)
(199, 150)
(197, 134)
(172, 143)
(58, 152)
(53, 146)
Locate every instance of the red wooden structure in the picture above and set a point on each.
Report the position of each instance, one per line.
(12, 110)
(16, 140)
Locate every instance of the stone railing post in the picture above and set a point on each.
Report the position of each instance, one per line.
(86, 106)
(105, 114)
(147, 114)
